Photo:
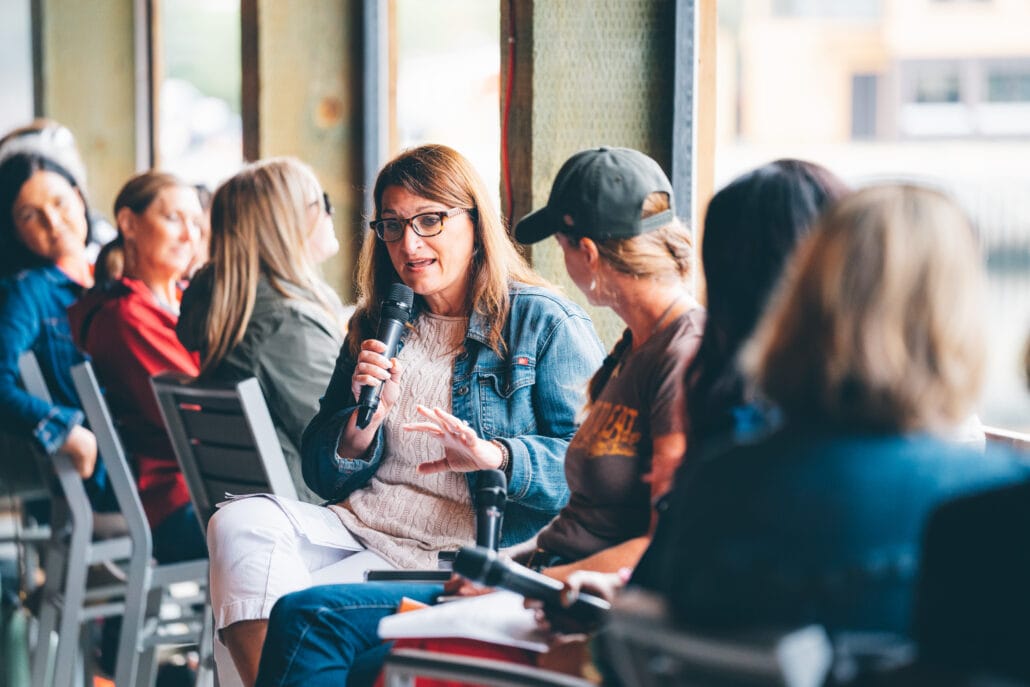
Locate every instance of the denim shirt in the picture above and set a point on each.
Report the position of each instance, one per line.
(530, 399)
(33, 316)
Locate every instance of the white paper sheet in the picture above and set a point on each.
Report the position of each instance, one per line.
(317, 524)
(499, 618)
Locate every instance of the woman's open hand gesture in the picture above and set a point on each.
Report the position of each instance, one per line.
(463, 450)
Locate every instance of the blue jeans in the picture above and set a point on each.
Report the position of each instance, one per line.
(329, 636)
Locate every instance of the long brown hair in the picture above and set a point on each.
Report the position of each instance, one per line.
(879, 322)
(443, 175)
(259, 227)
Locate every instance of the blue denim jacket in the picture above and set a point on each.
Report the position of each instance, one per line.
(530, 399)
(33, 316)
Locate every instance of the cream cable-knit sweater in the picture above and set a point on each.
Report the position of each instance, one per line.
(403, 516)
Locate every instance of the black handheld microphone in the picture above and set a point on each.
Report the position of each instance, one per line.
(587, 612)
(394, 314)
(490, 499)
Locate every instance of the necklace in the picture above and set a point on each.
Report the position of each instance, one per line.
(654, 330)
(665, 314)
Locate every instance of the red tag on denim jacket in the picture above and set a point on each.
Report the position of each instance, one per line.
(522, 360)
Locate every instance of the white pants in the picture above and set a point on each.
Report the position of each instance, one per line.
(263, 548)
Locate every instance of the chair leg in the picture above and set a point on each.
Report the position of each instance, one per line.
(137, 603)
(69, 626)
(207, 676)
(146, 674)
(48, 618)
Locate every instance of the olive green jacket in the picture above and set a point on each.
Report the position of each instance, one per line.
(290, 346)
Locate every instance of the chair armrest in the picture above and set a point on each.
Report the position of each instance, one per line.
(404, 663)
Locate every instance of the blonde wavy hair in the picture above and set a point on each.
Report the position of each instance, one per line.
(878, 322)
(443, 175)
(665, 253)
(259, 226)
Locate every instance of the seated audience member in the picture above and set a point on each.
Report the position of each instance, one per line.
(260, 308)
(55, 141)
(752, 227)
(127, 325)
(873, 350)
(626, 251)
(44, 228)
(490, 377)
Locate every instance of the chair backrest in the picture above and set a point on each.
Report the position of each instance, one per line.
(645, 649)
(109, 447)
(224, 439)
(70, 502)
(32, 376)
(1015, 440)
(972, 610)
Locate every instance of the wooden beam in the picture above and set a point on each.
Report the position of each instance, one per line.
(87, 81)
(145, 78)
(707, 32)
(250, 82)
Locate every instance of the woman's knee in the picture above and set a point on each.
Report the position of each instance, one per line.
(243, 518)
(300, 606)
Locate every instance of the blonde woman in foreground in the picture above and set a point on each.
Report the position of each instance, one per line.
(873, 350)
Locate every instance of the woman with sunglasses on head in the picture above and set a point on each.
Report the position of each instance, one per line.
(260, 307)
(490, 377)
(127, 325)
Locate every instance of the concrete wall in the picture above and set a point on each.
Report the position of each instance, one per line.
(309, 105)
(88, 85)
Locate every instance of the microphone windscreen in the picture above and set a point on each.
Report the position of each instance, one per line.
(402, 294)
(493, 479)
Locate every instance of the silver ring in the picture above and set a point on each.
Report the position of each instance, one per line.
(465, 422)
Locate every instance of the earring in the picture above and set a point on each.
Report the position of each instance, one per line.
(593, 284)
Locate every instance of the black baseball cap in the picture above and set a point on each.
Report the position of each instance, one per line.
(599, 193)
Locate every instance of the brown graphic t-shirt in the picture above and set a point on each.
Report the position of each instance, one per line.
(611, 452)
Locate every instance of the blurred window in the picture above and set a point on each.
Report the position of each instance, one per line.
(932, 92)
(1008, 87)
(937, 86)
(16, 58)
(840, 9)
(200, 134)
(448, 87)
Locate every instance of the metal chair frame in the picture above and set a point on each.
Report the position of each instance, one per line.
(224, 439)
(148, 582)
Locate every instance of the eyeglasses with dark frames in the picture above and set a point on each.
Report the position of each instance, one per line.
(425, 224)
(326, 204)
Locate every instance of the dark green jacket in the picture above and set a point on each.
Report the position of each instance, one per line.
(290, 346)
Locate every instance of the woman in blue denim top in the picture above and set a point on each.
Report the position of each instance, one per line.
(44, 229)
(613, 214)
(492, 375)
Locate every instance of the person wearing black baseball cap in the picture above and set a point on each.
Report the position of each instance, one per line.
(612, 212)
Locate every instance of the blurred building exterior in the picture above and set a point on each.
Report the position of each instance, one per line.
(935, 91)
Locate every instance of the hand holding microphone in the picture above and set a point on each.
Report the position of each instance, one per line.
(376, 373)
(585, 613)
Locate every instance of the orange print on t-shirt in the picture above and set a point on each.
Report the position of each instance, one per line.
(609, 430)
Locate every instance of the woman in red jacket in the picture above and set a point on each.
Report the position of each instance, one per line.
(127, 325)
